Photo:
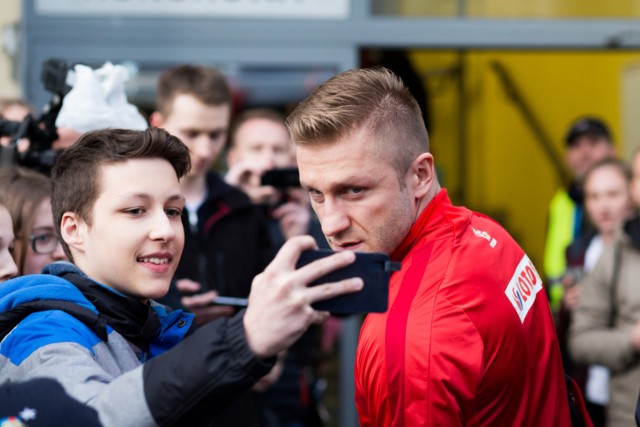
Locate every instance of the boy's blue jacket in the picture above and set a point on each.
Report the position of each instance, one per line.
(48, 328)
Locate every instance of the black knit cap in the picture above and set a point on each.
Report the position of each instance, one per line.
(43, 402)
(587, 126)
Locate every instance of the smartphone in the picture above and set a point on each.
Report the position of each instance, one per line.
(281, 178)
(375, 270)
(233, 301)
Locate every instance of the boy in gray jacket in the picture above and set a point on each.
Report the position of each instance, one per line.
(93, 325)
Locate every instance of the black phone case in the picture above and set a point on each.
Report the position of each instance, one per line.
(375, 270)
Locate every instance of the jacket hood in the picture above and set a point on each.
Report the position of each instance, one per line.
(36, 287)
(24, 295)
(42, 292)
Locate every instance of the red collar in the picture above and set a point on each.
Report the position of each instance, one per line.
(437, 213)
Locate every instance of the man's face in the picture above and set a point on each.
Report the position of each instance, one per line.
(203, 128)
(584, 152)
(264, 141)
(135, 239)
(356, 194)
(607, 198)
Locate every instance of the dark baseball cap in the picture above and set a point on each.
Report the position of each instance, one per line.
(587, 126)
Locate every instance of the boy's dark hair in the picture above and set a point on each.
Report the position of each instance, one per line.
(76, 173)
(207, 85)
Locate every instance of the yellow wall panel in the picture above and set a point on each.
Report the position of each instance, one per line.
(507, 173)
(510, 9)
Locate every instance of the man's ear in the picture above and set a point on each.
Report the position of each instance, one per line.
(71, 231)
(423, 176)
(156, 119)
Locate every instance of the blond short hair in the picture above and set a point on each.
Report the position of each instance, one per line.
(373, 99)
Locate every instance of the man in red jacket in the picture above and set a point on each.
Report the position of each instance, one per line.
(468, 338)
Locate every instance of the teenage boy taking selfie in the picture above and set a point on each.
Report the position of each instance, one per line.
(92, 323)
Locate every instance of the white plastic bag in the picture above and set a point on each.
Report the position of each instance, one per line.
(97, 100)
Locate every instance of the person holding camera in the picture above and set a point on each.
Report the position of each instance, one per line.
(469, 338)
(226, 237)
(260, 148)
(259, 142)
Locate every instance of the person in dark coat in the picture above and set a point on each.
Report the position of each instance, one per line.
(226, 237)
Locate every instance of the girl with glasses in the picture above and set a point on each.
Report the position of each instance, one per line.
(26, 194)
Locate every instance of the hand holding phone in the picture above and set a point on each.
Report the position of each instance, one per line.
(374, 268)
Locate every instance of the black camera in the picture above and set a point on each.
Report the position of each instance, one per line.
(40, 131)
(281, 178)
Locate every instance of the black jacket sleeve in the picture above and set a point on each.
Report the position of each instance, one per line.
(195, 380)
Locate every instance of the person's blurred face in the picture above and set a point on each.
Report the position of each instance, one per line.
(263, 141)
(584, 152)
(66, 138)
(45, 240)
(356, 193)
(14, 113)
(135, 239)
(635, 180)
(203, 128)
(607, 198)
(8, 268)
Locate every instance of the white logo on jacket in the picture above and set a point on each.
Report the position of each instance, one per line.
(486, 236)
(523, 287)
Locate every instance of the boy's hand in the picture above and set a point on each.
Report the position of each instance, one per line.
(200, 304)
(279, 308)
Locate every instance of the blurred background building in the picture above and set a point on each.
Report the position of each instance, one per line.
(499, 82)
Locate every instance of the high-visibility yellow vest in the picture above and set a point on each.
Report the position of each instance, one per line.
(565, 220)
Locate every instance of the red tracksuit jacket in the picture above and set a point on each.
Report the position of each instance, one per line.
(468, 339)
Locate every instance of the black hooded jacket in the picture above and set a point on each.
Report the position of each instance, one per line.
(229, 248)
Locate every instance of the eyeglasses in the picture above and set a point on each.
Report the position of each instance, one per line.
(44, 243)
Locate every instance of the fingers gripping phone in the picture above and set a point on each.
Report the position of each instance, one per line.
(375, 270)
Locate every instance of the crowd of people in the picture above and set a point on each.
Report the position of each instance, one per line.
(112, 266)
